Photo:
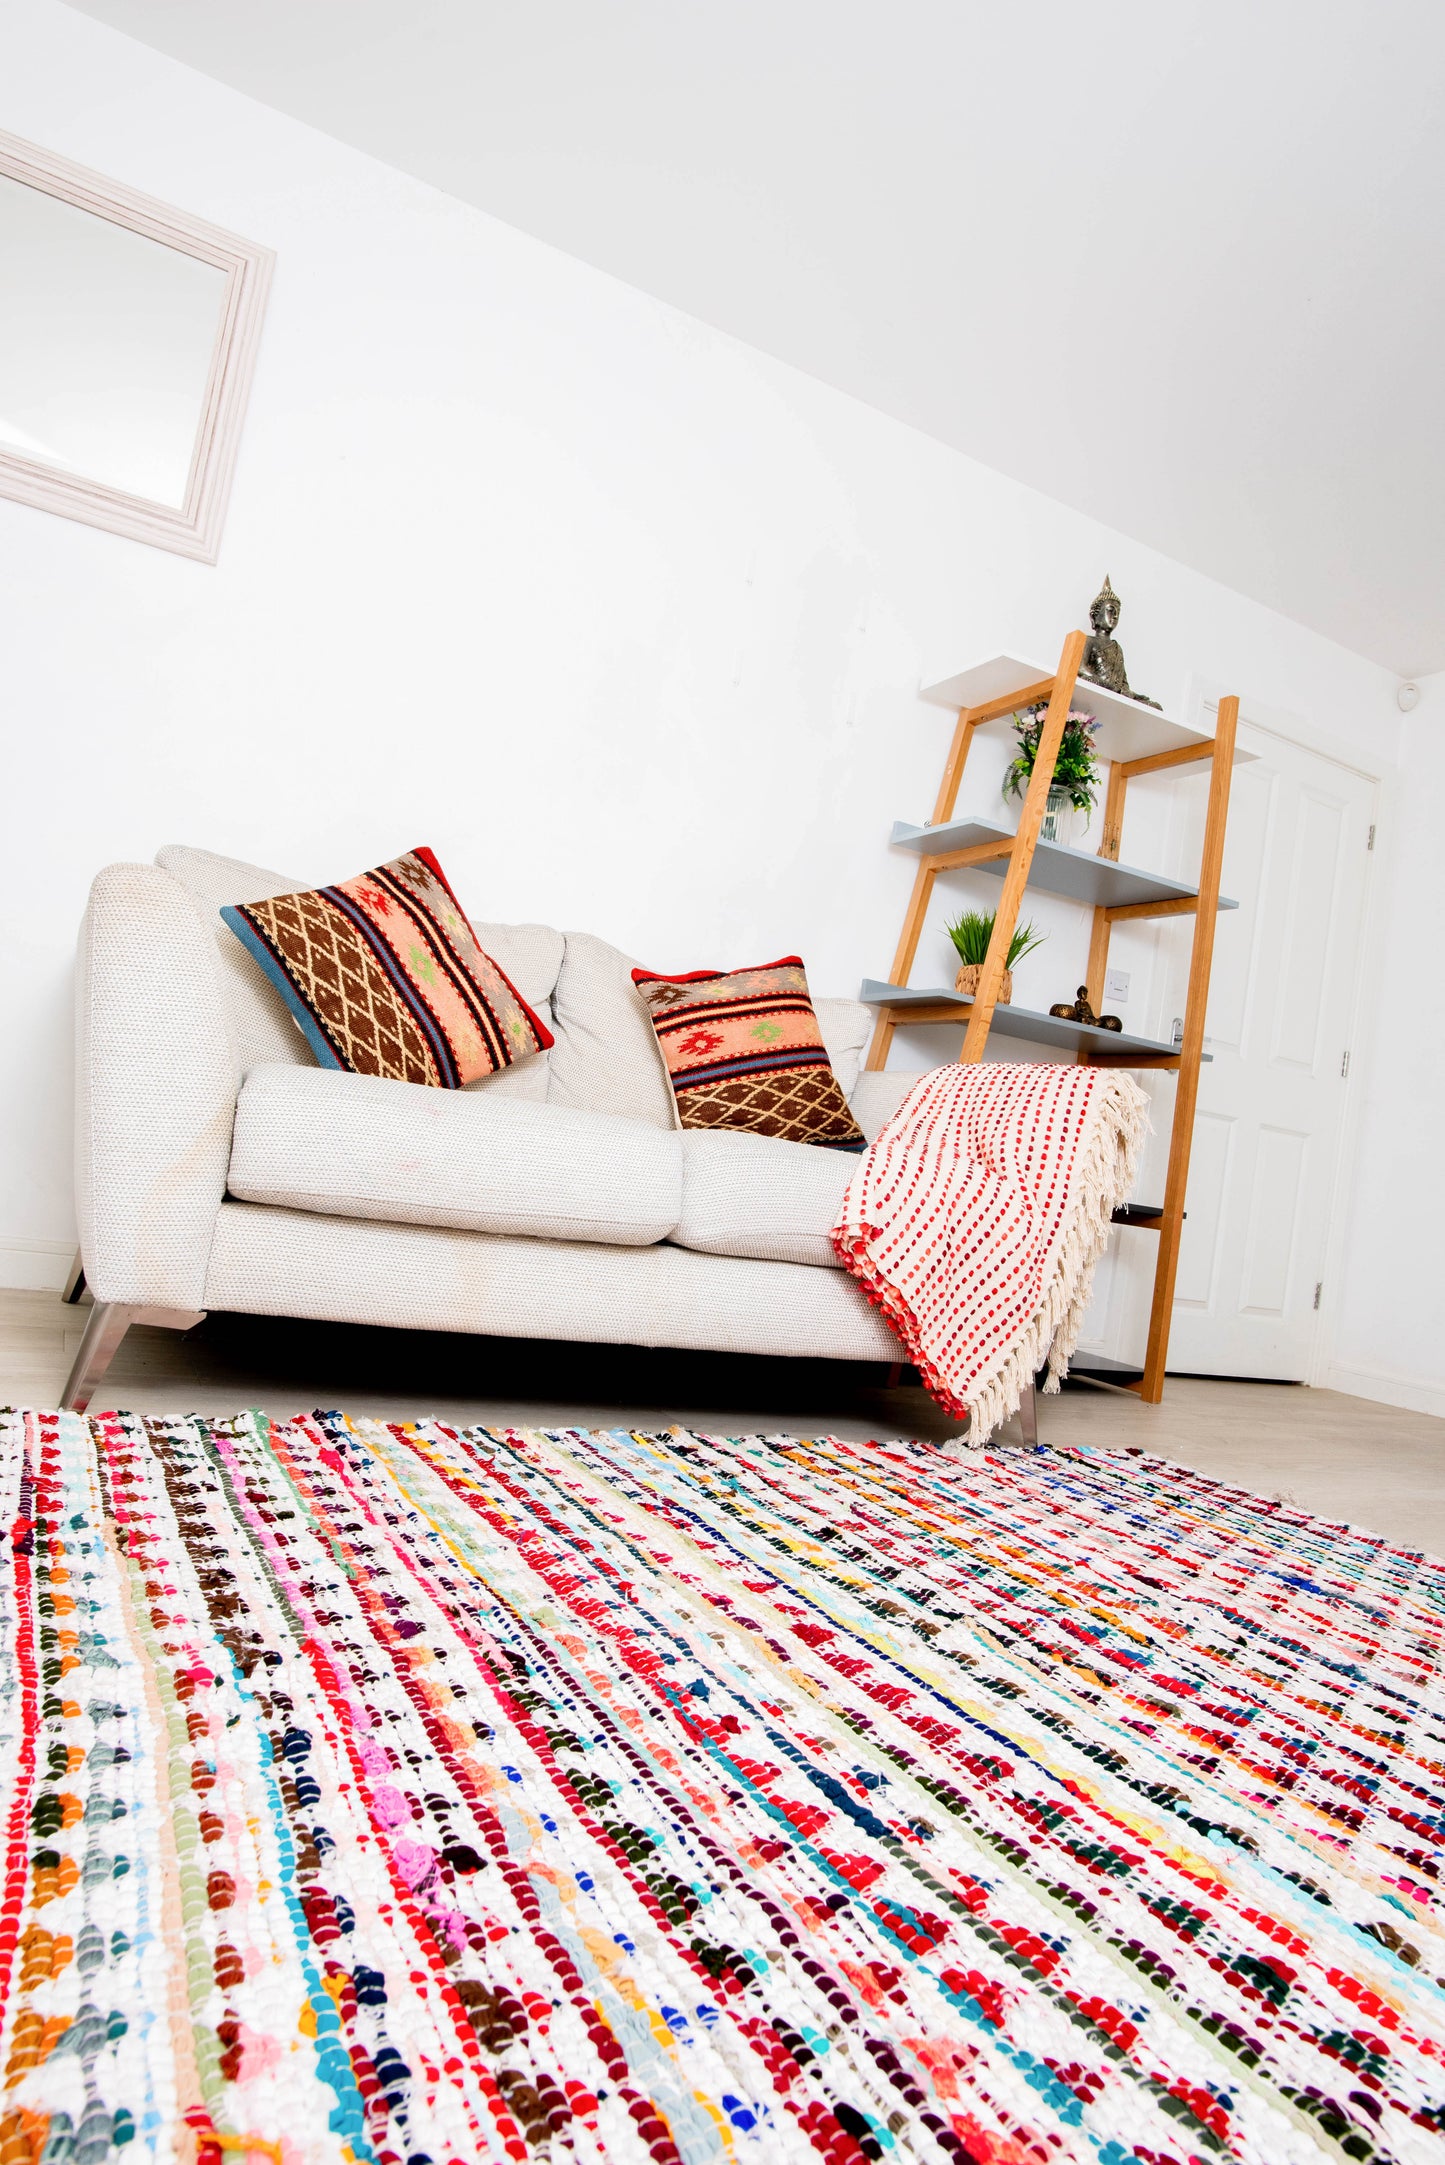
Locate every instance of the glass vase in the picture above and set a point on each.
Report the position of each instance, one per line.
(1058, 820)
(1064, 822)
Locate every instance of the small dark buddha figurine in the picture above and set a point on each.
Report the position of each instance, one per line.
(1082, 1012)
(1103, 662)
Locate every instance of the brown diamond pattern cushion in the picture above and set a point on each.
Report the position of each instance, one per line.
(743, 1050)
(386, 977)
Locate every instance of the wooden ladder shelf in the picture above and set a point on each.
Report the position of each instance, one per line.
(1016, 856)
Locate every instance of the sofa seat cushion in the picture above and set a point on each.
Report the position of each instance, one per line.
(365, 1146)
(759, 1196)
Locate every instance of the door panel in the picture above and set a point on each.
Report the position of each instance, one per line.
(1248, 839)
(1209, 1179)
(1274, 1212)
(1308, 942)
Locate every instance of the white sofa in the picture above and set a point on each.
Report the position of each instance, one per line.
(218, 1167)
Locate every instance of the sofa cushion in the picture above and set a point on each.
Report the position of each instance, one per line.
(263, 1025)
(605, 1059)
(386, 977)
(876, 1097)
(219, 880)
(364, 1146)
(755, 1195)
(744, 1051)
(266, 1031)
(847, 1026)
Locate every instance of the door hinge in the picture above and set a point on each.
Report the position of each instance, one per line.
(1371, 843)
(1318, 1290)
(1344, 1063)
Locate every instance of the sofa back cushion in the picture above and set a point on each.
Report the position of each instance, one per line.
(260, 1019)
(605, 1059)
(847, 1026)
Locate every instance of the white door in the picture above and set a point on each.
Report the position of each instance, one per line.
(1262, 1175)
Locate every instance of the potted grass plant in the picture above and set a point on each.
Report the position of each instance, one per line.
(1075, 782)
(971, 936)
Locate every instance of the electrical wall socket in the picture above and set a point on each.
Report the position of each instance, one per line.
(1116, 985)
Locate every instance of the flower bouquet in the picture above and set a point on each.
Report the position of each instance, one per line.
(1075, 781)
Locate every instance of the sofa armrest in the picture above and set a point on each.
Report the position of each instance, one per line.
(877, 1096)
(157, 1076)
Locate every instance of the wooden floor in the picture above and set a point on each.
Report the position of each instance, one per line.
(1344, 1458)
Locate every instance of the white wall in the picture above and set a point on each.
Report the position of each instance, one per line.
(1390, 1342)
(622, 617)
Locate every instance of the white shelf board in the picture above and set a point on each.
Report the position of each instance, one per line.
(1127, 730)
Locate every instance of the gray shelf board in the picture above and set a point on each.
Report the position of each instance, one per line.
(1076, 873)
(1099, 1368)
(1012, 1021)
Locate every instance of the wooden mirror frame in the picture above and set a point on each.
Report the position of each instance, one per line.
(194, 527)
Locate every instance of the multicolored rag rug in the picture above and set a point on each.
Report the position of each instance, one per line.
(389, 1793)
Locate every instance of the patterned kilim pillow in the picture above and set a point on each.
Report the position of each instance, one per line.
(743, 1050)
(385, 977)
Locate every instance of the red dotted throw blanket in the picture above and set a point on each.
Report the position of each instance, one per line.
(975, 1221)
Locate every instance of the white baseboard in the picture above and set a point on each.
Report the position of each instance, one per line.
(35, 1266)
(1419, 1394)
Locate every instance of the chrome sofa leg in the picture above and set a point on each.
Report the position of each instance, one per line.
(104, 1330)
(107, 1325)
(75, 1282)
(1029, 1417)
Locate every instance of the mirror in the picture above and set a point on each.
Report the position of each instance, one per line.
(129, 336)
(104, 363)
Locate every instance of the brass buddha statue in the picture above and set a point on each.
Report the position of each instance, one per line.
(1103, 662)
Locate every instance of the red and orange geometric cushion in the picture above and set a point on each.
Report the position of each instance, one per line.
(743, 1050)
(386, 977)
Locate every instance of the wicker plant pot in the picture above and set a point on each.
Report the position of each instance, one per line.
(967, 979)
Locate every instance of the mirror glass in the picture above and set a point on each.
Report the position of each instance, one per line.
(106, 345)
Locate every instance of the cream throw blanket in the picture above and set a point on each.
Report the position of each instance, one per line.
(976, 1219)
